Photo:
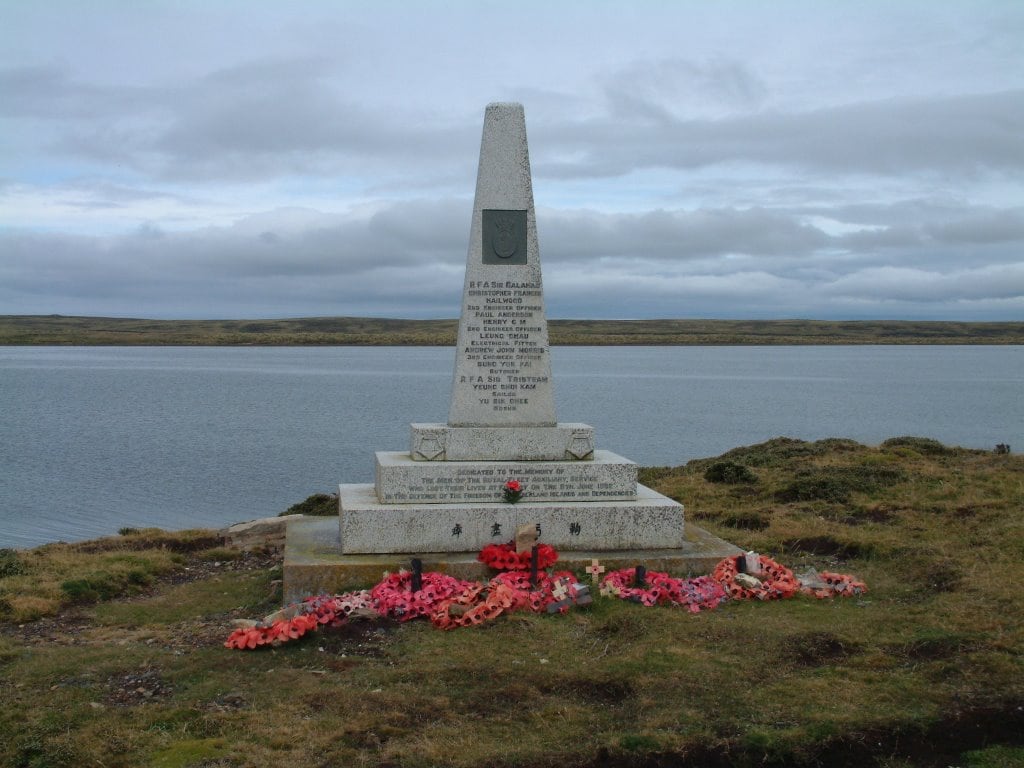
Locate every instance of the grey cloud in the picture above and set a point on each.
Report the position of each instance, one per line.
(49, 92)
(920, 285)
(678, 234)
(263, 119)
(101, 194)
(984, 226)
(916, 223)
(663, 90)
(409, 255)
(269, 118)
(185, 274)
(962, 134)
(276, 244)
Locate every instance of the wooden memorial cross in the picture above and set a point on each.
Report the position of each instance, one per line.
(595, 570)
(526, 537)
(641, 576)
(417, 575)
(534, 556)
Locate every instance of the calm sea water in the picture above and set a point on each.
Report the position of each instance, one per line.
(93, 439)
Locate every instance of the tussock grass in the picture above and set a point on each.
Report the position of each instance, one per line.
(319, 504)
(925, 669)
(39, 582)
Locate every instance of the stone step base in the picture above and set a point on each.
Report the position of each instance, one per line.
(314, 563)
(650, 521)
(401, 480)
(562, 442)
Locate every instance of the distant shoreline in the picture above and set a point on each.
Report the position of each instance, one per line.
(61, 330)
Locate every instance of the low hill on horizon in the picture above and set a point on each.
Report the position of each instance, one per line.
(368, 331)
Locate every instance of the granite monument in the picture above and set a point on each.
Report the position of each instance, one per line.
(442, 500)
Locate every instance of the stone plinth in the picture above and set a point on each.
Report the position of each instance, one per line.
(314, 563)
(650, 521)
(400, 480)
(562, 442)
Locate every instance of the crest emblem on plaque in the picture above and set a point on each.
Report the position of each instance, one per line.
(428, 445)
(504, 237)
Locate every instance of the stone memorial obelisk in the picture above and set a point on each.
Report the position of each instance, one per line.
(502, 369)
(503, 404)
(443, 500)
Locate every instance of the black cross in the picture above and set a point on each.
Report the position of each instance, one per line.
(417, 574)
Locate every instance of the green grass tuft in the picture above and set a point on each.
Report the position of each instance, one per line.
(729, 472)
(320, 504)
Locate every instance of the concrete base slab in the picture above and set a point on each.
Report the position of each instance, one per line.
(647, 521)
(314, 563)
(403, 480)
(562, 442)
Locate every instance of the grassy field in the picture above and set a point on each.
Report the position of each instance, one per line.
(111, 651)
(55, 329)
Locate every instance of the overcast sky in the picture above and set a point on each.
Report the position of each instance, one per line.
(690, 159)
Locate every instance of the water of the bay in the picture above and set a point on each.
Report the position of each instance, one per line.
(93, 439)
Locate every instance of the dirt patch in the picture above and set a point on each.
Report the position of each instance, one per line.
(63, 629)
(139, 542)
(879, 513)
(199, 568)
(746, 520)
(814, 649)
(936, 747)
(824, 545)
(934, 575)
(939, 746)
(360, 638)
(604, 690)
(935, 647)
(143, 687)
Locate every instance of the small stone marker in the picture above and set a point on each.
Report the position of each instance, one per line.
(747, 581)
(752, 563)
(581, 594)
(595, 570)
(811, 579)
(526, 537)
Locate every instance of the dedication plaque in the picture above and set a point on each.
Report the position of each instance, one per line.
(504, 236)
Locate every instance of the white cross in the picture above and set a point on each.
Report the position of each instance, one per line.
(560, 590)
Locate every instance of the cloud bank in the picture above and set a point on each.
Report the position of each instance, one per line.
(791, 164)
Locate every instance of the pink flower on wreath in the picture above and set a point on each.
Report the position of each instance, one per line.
(513, 485)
